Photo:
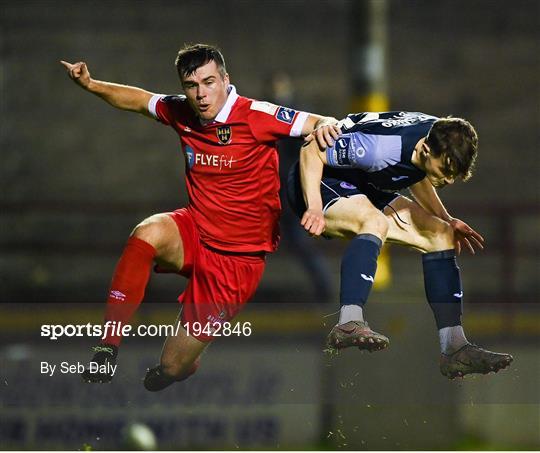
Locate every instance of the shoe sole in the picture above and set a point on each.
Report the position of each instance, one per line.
(369, 343)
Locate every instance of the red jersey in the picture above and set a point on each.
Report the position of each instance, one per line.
(232, 175)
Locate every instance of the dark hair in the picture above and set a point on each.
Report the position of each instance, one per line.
(456, 140)
(193, 56)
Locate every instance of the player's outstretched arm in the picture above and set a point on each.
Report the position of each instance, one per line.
(323, 129)
(120, 96)
(464, 236)
(312, 161)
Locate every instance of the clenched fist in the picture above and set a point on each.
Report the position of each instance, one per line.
(78, 72)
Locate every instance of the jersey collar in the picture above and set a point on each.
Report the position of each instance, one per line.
(225, 111)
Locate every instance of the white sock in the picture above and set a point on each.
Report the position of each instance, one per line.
(452, 339)
(350, 313)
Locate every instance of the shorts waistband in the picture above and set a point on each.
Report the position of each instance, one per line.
(260, 254)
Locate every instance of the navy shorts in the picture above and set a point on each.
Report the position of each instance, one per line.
(332, 189)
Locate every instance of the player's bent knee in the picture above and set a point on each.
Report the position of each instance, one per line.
(372, 222)
(440, 237)
(380, 224)
(152, 229)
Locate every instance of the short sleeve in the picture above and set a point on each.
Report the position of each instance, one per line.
(353, 150)
(162, 107)
(270, 122)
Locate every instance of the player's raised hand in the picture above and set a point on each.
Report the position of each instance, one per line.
(466, 237)
(313, 221)
(78, 72)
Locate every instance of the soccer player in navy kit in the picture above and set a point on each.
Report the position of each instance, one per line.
(348, 190)
(220, 239)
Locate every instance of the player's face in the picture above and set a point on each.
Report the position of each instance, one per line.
(438, 172)
(206, 90)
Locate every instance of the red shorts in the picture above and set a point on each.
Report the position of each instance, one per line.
(220, 284)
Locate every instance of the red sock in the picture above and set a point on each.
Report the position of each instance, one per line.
(128, 285)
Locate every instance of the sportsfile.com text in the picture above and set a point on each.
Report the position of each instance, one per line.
(56, 331)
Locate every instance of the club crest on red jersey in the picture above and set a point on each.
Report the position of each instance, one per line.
(224, 134)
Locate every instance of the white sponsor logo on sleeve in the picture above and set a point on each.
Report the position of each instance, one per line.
(265, 107)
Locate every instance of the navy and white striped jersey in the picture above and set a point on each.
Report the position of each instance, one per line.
(376, 148)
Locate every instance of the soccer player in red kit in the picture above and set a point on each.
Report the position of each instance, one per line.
(220, 239)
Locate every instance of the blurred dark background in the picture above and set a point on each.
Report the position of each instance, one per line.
(78, 175)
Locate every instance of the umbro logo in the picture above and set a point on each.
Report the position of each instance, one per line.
(368, 278)
(398, 178)
(118, 295)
